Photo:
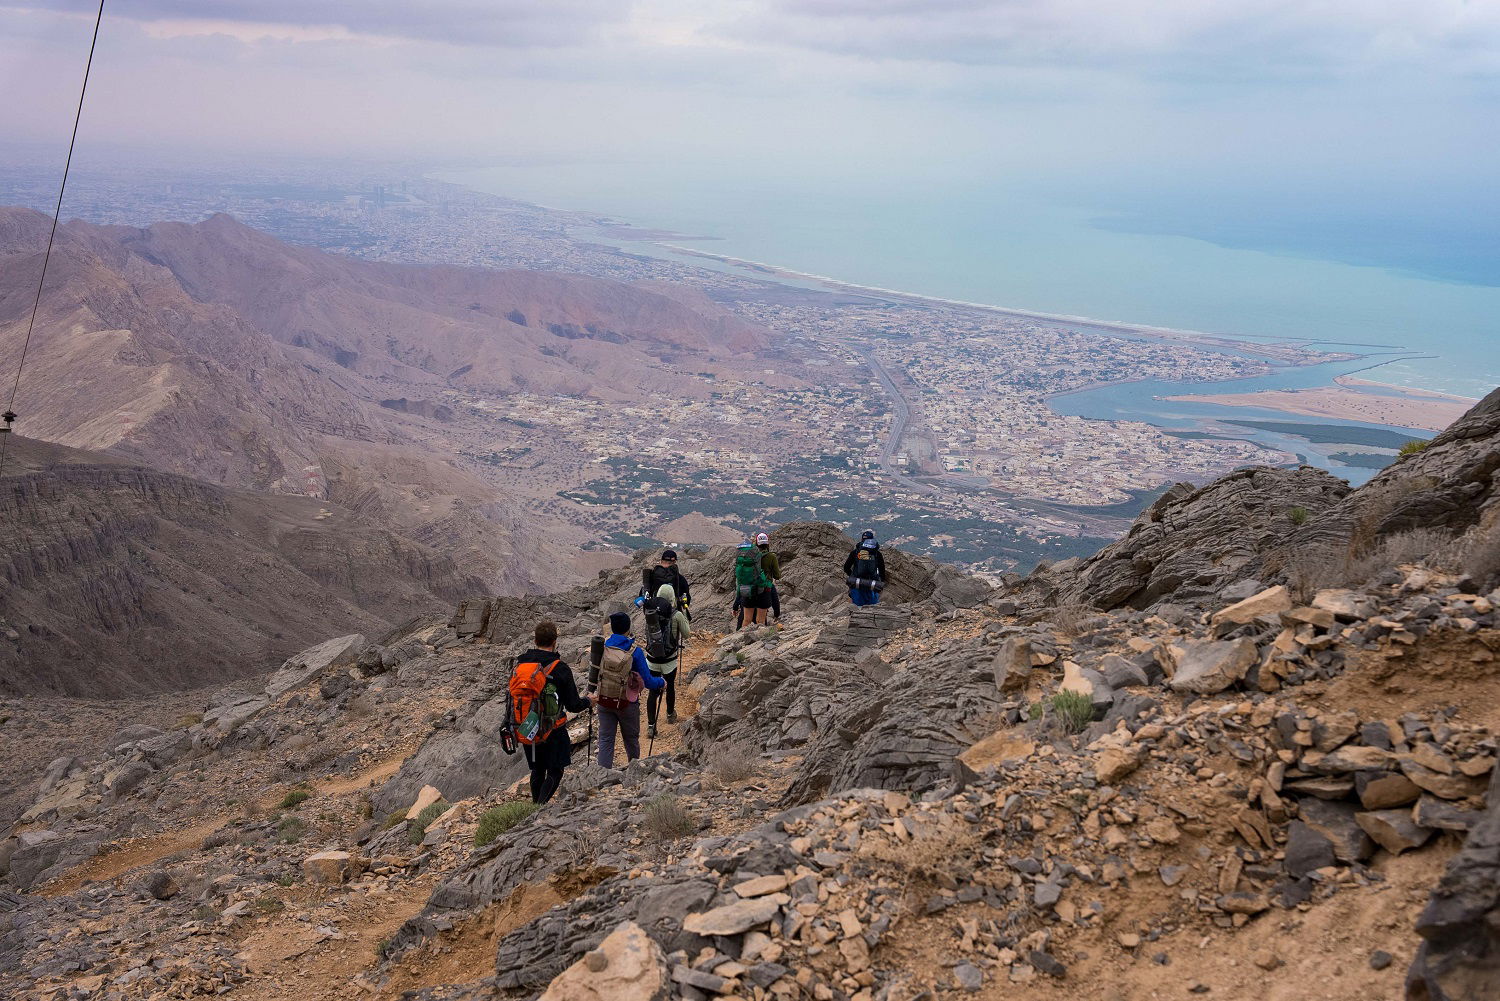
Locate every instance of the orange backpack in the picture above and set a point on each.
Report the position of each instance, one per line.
(534, 710)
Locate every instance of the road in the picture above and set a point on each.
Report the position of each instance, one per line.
(1103, 525)
(902, 418)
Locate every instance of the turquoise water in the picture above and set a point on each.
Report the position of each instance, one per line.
(1003, 244)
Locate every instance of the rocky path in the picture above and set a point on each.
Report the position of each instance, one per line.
(139, 853)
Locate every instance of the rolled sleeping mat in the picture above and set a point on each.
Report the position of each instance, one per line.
(596, 657)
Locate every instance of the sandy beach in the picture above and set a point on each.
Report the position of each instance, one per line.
(1412, 408)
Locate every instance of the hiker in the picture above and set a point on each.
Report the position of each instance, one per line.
(751, 584)
(666, 572)
(864, 570)
(664, 651)
(622, 675)
(771, 564)
(551, 752)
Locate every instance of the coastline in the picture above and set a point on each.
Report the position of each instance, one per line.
(1282, 353)
(1278, 351)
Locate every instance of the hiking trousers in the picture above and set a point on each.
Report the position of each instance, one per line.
(653, 701)
(628, 722)
(544, 782)
(864, 596)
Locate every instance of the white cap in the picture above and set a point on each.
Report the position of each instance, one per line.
(762, 537)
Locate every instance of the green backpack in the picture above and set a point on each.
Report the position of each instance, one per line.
(749, 577)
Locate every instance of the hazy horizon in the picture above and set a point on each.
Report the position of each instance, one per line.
(1352, 132)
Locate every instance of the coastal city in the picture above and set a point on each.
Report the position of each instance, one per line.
(927, 419)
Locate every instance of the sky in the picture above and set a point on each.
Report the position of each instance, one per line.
(1404, 91)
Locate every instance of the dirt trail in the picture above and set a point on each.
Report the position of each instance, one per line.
(700, 648)
(291, 958)
(140, 852)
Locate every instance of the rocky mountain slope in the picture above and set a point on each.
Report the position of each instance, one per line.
(217, 352)
(1193, 765)
(121, 579)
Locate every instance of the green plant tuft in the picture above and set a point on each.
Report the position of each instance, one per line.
(392, 819)
(419, 826)
(294, 799)
(1414, 446)
(499, 819)
(290, 830)
(1074, 709)
(1298, 515)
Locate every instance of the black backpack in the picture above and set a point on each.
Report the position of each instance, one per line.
(661, 639)
(652, 578)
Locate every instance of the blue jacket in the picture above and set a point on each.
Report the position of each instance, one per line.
(637, 660)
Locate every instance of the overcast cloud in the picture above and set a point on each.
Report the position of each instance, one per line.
(987, 84)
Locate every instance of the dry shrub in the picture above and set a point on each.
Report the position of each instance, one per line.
(1310, 570)
(1478, 552)
(733, 762)
(937, 855)
(1071, 620)
(667, 819)
(1376, 504)
(1420, 545)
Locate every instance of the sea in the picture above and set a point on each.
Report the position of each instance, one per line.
(1418, 318)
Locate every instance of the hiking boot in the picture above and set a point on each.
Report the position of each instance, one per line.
(651, 730)
(671, 717)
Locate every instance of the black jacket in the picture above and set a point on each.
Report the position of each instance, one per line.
(854, 555)
(557, 750)
(656, 575)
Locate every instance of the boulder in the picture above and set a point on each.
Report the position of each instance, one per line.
(35, 852)
(1012, 664)
(167, 748)
(1205, 667)
(1337, 822)
(1352, 758)
(1114, 763)
(310, 664)
(1122, 672)
(1192, 542)
(1344, 604)
(159, 884)
(333, 867)
(121, 780)
(427, 796)
(1265, 606)
(471, 617)
(626, 966)
(225, 718)
(59, 769)
(1090, 684)
(1307, 850)
(735, 918)
(1435, 782)
(1393, 830)
(1443, 815)
(1001, 748)
(1383, 790)
(133, 733)
(1459, 959)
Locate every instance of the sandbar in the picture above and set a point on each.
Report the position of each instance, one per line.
(1408, 409)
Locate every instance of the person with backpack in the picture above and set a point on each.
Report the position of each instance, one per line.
(542, 693)
(751, 584)
(667, 628)
(771, 564)
(864, 570)
(666, 572)
(622, 675)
